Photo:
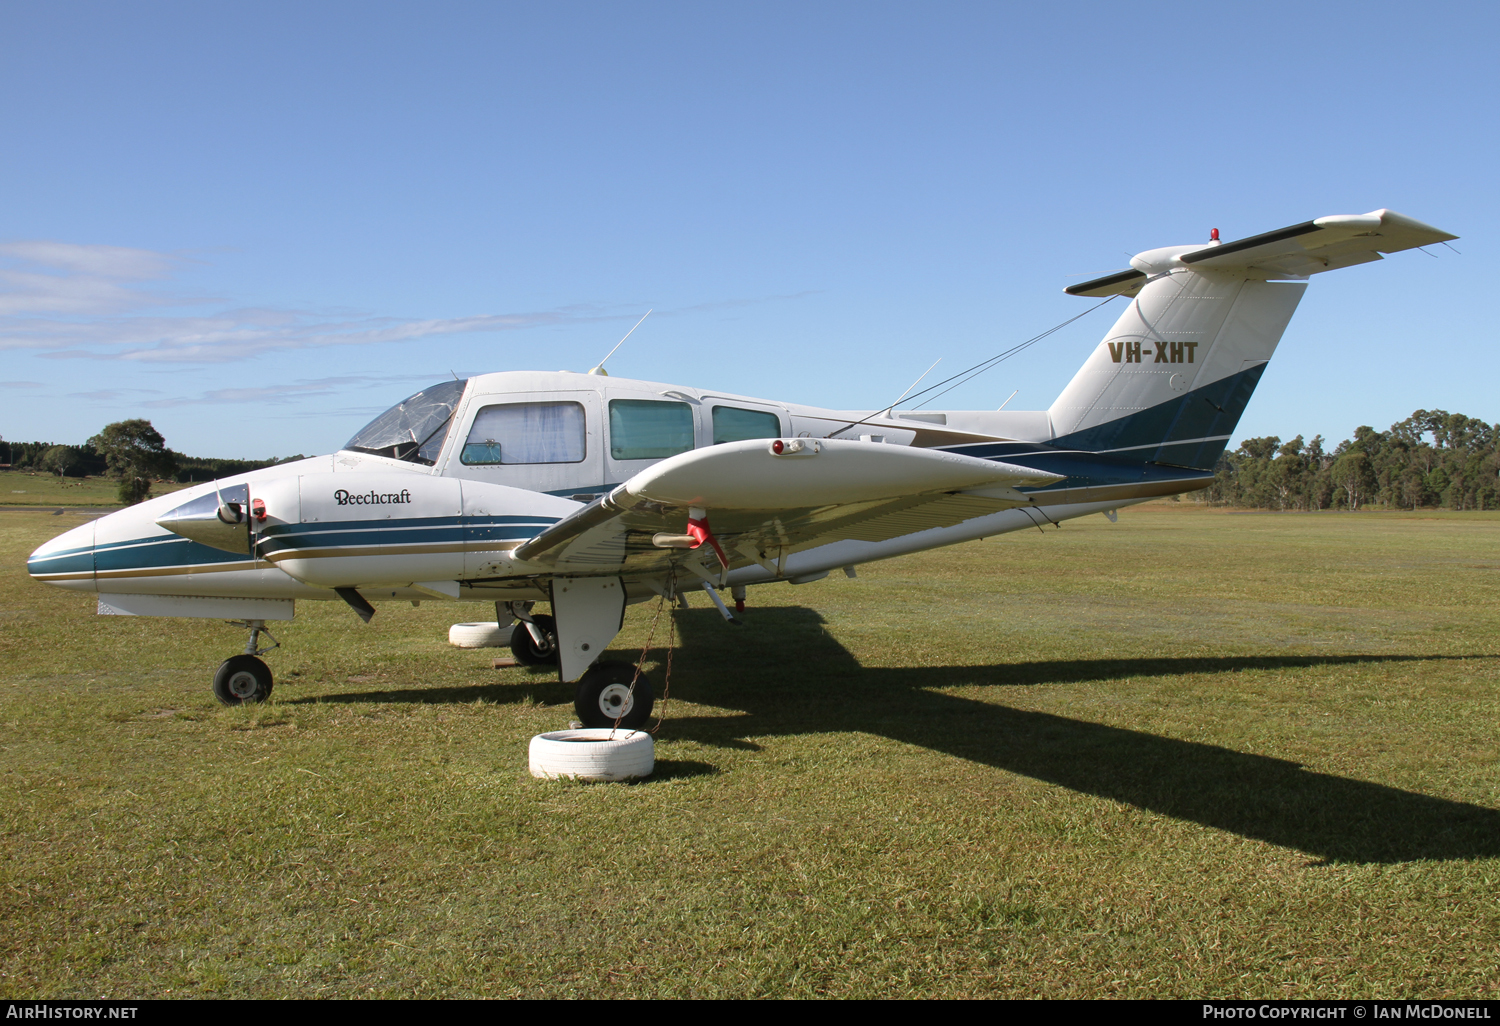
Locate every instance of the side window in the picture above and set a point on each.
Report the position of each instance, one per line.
(526, 433)
(732, 424)
(648, 429)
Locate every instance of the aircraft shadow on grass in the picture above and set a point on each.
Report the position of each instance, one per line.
(789, 676)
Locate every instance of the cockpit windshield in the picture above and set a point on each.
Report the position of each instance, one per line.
(414, 429)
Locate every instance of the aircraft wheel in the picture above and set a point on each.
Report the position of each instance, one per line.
(604, 695)
(527, 651)
(241, 679)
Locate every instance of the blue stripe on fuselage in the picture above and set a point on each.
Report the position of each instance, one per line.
(427, 530)
(1078, 469)
(1183, 437)
(160, 553)
(1189, 431)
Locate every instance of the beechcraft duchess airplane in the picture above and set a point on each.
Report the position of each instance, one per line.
(591, 492)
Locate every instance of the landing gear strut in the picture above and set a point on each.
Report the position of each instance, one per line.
(246, 678)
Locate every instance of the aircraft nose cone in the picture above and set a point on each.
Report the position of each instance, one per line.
(67, 560)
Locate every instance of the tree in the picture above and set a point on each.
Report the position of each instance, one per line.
(60, 460)
(136, 453)
(1351, 472)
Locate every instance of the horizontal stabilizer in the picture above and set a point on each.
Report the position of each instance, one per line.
(1324, 244)
(1120, 283)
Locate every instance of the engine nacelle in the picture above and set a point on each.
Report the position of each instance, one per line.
(366, 530)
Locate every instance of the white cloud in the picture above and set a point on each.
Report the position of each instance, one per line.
(117, 262)
(277, 395)
(60, 279)
(104, 395)
(67, 301)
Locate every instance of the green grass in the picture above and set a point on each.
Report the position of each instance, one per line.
(1187, 754)
(35, 488)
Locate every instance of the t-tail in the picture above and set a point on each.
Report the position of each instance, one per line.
(1171, 378)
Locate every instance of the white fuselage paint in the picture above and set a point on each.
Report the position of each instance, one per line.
(365, 492)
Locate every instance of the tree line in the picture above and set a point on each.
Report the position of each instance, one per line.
(1432, 458)
(131, 451)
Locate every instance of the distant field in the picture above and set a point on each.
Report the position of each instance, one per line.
(28, 488)
(1189, 754)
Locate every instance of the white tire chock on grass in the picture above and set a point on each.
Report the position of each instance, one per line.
(593, 753)
(478, 635)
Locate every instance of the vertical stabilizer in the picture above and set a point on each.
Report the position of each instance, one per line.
(1170, 380)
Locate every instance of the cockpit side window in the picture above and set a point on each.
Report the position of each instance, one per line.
(526, 433)
(649, 429)
(735, 424)
(414, 429)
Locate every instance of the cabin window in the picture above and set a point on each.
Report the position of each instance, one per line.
(649, 429)
(525, 433)
(732, 424)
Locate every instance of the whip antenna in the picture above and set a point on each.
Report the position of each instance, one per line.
(600, 369)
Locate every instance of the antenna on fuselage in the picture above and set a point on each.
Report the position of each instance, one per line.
(914, 384)
(887, 410)
(600, 369)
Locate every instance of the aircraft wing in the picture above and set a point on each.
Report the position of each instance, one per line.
(1323, 244)
(765, 499)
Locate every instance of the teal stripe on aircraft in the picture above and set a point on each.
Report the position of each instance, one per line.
(160, 553)
(74, 561)
(433, 530)
(424, 522)
(1172, 432)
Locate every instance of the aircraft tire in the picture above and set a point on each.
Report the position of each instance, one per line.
(604, 694)
(241, 680)
(600, 753)
(478, 635)
(526, 651)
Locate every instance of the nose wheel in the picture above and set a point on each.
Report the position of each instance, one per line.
(534, 641)
(242, 679)
(246, 678)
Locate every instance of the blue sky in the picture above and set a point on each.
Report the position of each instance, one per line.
(259, 225)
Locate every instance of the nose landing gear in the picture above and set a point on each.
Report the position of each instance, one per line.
(534, 640)
(246, 678)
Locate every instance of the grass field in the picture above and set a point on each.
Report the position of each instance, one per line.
(34, 488)
(1188, 754)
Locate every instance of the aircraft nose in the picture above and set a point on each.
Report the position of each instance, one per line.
(67, 560)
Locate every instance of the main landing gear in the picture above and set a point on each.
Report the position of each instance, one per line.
(246, 678)
(604, 695)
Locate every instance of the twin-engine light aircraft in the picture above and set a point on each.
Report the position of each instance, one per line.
(591, 492)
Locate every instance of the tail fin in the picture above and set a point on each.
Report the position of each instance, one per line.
(1171, 378)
